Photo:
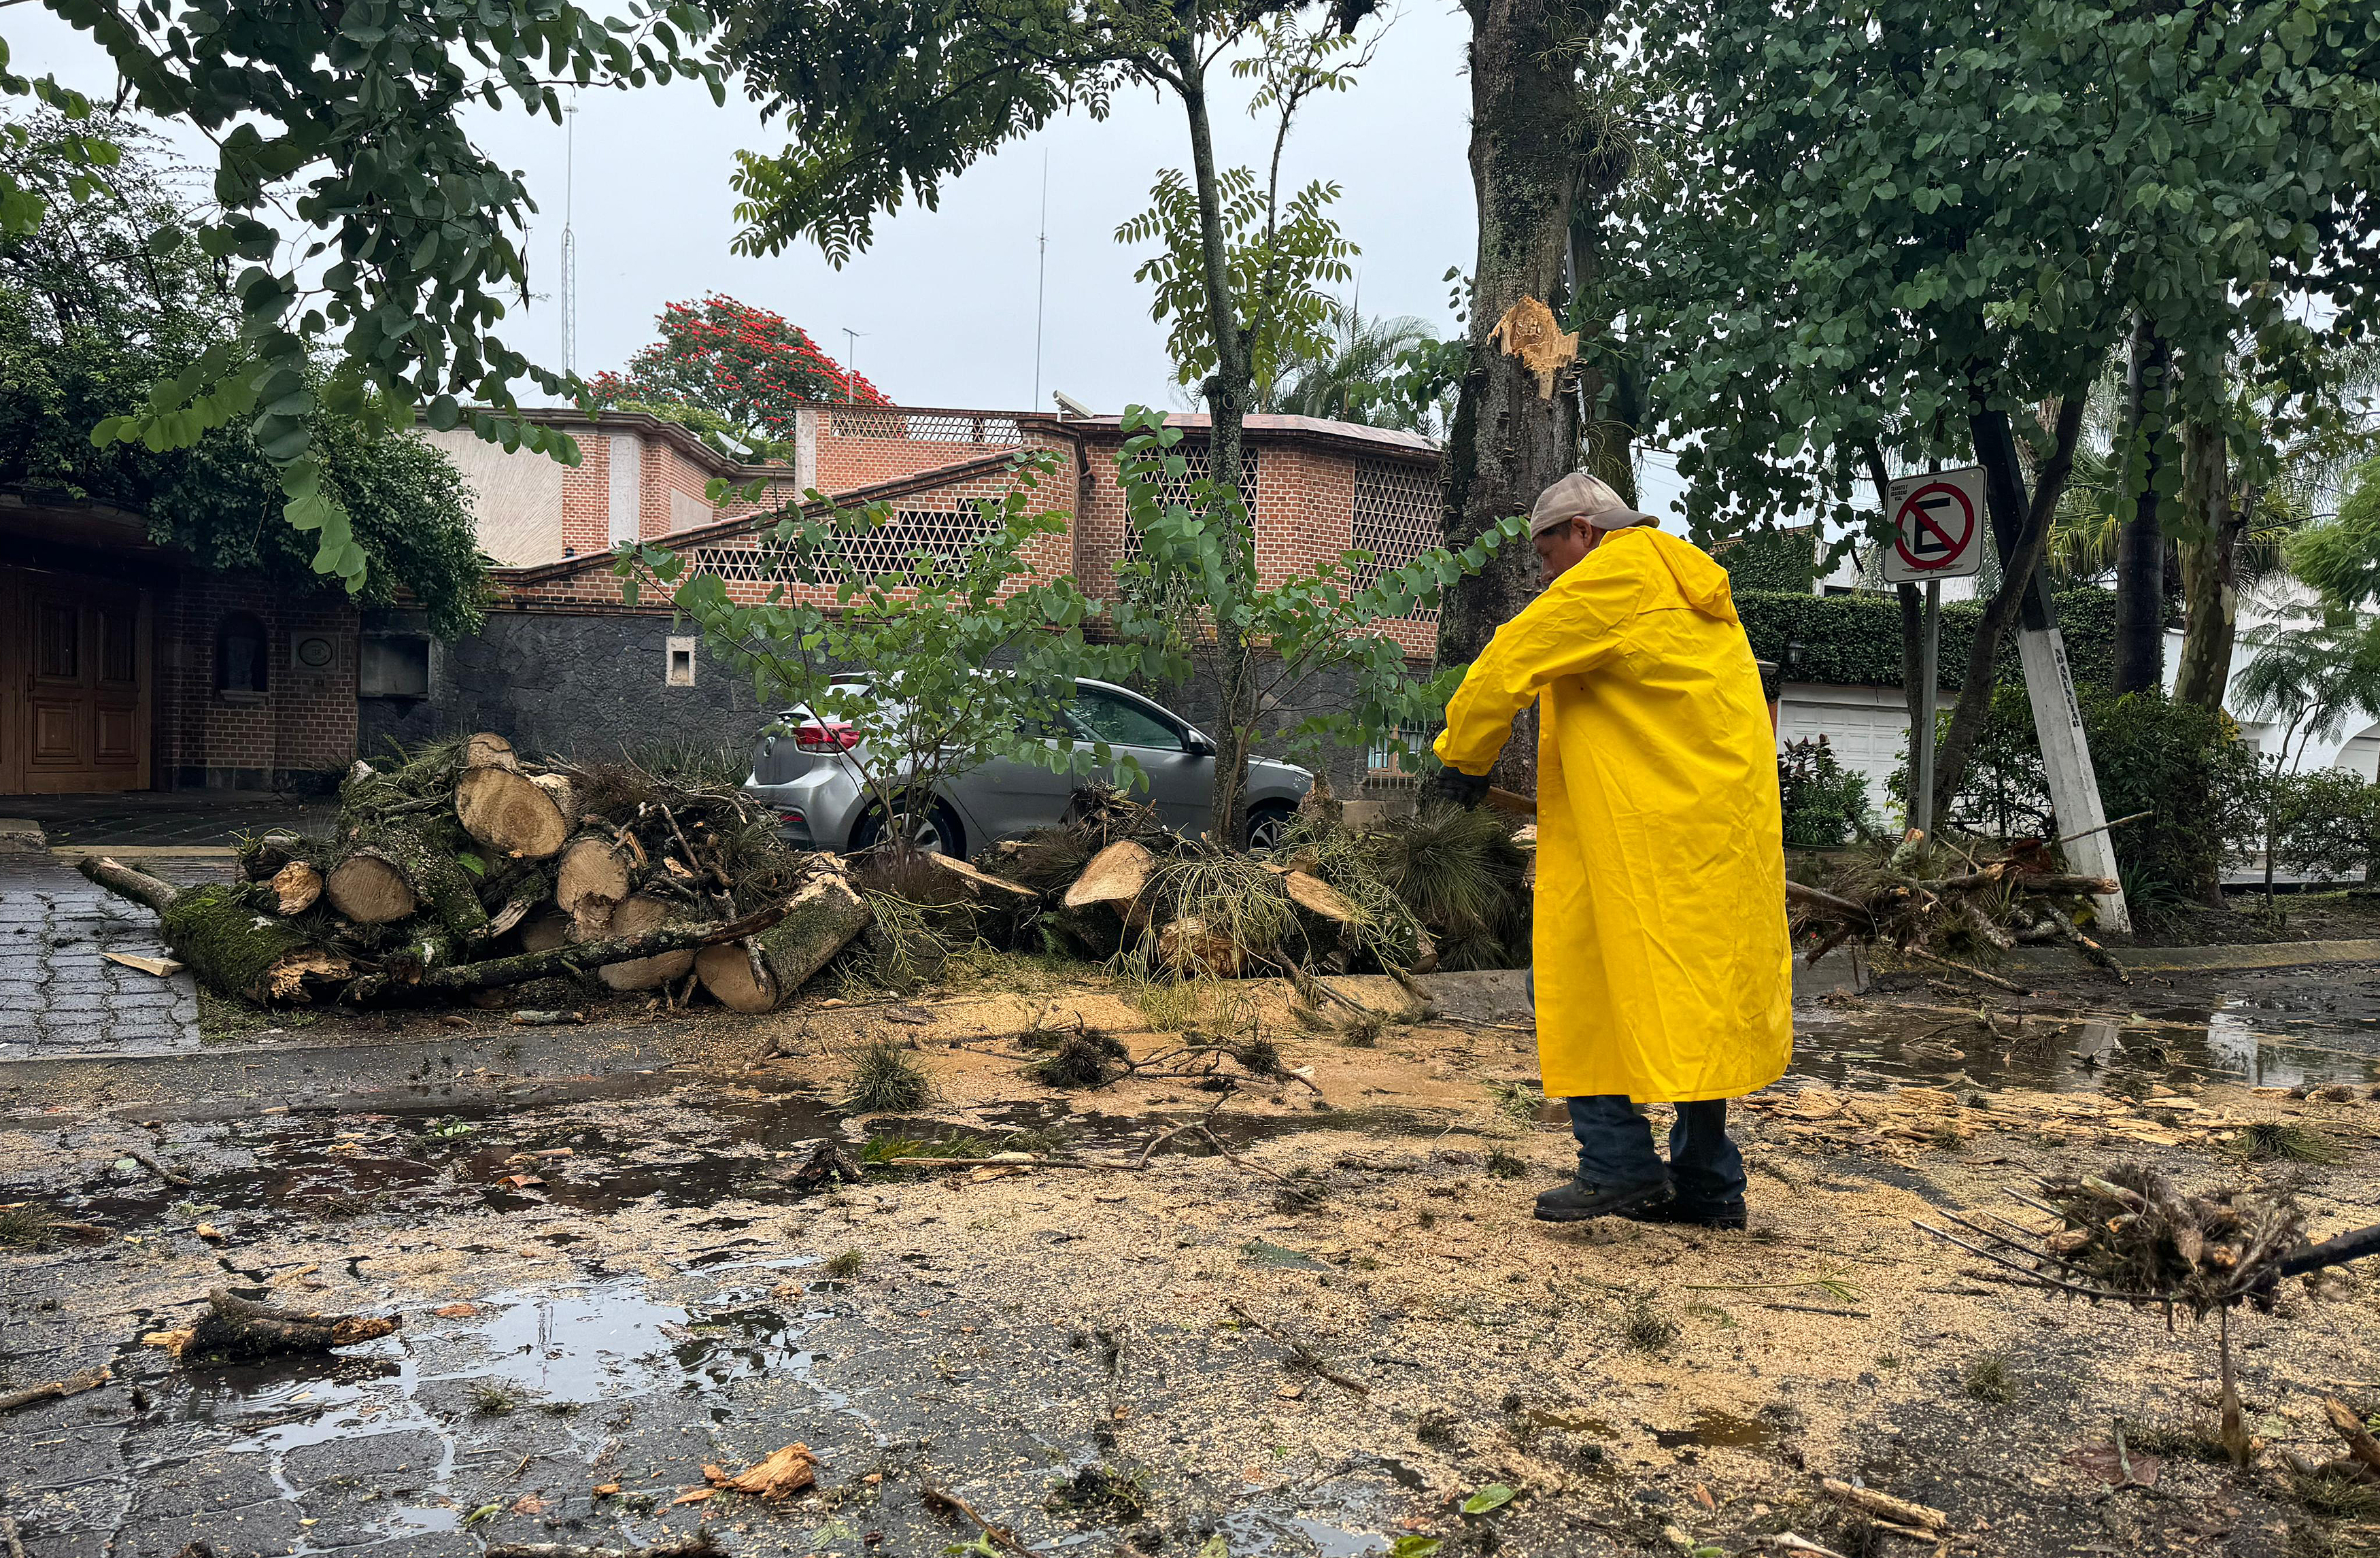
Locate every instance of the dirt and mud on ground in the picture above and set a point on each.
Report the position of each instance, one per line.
(1318, 1321)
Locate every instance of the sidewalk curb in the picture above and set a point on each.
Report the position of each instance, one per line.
(68, 854)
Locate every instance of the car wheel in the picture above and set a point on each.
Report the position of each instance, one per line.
(937, 830)
(1268, 825)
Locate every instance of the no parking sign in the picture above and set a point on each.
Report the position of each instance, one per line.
(1938, 526)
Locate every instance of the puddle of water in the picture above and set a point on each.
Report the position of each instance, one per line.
(1718, 1431)
(2073, 1053)
(603, 1342)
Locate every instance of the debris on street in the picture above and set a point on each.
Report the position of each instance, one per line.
(469, 870)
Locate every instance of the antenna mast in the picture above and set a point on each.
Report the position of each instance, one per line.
(569, 240)
(1040, 279)
(851, 363)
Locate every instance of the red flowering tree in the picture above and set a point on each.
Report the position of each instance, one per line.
(740, 371)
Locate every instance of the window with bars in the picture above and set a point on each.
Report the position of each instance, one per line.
(1171, 491)
(1398, 516)
(924, 427)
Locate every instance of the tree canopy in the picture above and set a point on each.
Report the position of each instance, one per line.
(372, 244)
(92, 314)
(745, 367)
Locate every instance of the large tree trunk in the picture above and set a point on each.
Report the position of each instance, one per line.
(229, 935)
(2210, 612)
(1229, 391)
(2021, 533)
(2139, 541)
(1509, 441)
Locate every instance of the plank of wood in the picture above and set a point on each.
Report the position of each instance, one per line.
(161, 967)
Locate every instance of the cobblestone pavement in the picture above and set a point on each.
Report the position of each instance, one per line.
(58, 996)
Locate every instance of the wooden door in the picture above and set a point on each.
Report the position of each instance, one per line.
(80, 663)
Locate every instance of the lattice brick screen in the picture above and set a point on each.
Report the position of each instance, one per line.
(1398, 516)
(885, 550)
(926, 427)
(1169, 491)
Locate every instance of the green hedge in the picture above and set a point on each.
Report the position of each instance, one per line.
(1855, 640)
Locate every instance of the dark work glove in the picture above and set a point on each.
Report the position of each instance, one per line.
(1456, 787)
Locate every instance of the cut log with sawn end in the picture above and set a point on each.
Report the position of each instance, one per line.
(823, 918)
(510, 813)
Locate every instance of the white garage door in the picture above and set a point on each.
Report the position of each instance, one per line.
(1868, 736)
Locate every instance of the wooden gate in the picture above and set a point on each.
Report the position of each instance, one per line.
(76, 697)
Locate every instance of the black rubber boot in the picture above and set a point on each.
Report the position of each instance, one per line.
(1574, 1200)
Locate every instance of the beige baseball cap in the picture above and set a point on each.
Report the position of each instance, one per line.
(1581, 496)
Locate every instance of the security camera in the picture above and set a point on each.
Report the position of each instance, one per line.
(1068, 406)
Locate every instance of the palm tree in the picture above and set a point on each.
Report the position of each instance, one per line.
(1355, 380)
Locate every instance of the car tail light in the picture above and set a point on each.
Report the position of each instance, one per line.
(793, 816)
(835, 737)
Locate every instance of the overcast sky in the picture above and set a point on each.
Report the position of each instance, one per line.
(945, 298)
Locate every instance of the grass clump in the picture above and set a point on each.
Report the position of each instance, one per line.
(850, 1263)
(1988, 1379)
(1363, 1030)
(1501, 1164)
(2186, 1442)
(490, 1399)
(2337, 1494)
(883, 1078)
(25, 1226)
(1083, 1058)
(1645, 1328)
(2284, 1141)
(1516, 1101)
(1101, 1493)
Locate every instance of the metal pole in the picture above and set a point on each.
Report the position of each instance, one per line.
(1929, 678)
(1041, 281)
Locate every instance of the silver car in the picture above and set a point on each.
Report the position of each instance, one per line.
(809, 780)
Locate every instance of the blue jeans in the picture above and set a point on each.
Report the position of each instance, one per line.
(1615, 1149)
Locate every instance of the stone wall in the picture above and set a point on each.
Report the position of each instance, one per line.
(595, 684)
(590, 685)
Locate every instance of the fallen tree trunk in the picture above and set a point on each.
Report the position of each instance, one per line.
(820, 920)
(641, 914)
(577, 957)
(297, 886)
(227, 935)
(370, 888)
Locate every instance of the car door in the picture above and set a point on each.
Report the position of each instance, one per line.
(1004, 798)
(1180, 780)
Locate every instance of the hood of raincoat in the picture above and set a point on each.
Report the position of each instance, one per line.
(1700, 582)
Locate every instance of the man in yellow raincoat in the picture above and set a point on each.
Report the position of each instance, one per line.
(1662, 968)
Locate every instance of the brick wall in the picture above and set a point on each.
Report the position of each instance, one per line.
(298, 734)
(860, 447)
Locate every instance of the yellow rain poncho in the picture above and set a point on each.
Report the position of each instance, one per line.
(1663, 970)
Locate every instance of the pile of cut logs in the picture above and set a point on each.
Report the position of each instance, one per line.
(469, 869)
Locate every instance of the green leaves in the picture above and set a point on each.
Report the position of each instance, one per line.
(1279, 262)
(352, 138)
(1976, 200)
(1494, 1496)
